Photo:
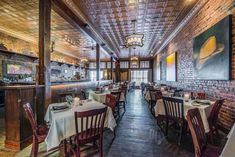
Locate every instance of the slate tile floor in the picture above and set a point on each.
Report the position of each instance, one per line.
(137, 135)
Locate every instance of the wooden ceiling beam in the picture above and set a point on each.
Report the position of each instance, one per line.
(65, 12)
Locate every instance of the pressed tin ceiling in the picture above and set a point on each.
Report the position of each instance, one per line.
(19, 18)
(156, 19)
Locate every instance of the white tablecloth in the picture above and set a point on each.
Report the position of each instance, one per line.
(147, 94)
(100, 97)
(63, 122)
(229, 148)
(204, 111)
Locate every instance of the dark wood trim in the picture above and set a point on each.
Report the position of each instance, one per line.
(44, 48)
(11, 53)
(97, 62)
(111, 66)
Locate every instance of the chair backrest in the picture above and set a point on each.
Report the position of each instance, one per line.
(124, 90)
(174, 108)
(110, 101)
(29, 113)
(92, 123)
(117, 94)
(201, 95)
(197, 131)
(158, 95)
(213, 117)
(152, 94)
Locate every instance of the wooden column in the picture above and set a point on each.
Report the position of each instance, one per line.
(97, 62)
(117, 71)
(111, 68)
(44, 48)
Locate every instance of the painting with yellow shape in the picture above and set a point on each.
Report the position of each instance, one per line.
(171, 67)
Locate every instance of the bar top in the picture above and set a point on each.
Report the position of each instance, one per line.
(20, 86)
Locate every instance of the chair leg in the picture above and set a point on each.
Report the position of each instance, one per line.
(166, 129)
(34, 151)
(211, 137)
(101, 148)
(181, 132)
(124, 105)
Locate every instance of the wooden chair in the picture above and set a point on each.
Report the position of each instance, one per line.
(201, 147)
(213, 118)
(122, 100)
(117, 94)
(201, 95)
(174, 112)
(39, 131)
(112, 103)
(91, 129)
(153, 100)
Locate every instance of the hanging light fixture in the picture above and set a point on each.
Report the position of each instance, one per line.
(134, 60)
(84, 60)
(134, 39)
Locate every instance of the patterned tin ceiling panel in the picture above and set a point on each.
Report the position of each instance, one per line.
(155, 19)
(19, 18)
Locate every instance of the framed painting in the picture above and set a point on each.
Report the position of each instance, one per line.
(171, 67)
(212, 52)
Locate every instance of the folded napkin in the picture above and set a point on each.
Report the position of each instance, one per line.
(98, 92)
(202, 102)
(60, 107)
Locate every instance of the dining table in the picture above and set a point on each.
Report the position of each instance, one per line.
(228, 150)
(62, 122)
(204, 109)
(100, 96)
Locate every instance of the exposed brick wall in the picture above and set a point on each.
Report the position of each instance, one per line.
(212, 12)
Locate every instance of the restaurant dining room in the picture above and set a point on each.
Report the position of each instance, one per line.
(117, 78)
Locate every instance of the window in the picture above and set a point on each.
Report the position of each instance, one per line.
(124, 64)
(134, 64)
(144, 64)
(139, 76)
(93, 75)
(109, 65)
(102, 65)
(92, 65)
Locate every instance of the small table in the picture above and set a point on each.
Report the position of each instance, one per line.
(229, 149)
(204, 110)
(63, 122)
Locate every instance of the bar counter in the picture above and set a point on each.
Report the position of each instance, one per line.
(18, 129)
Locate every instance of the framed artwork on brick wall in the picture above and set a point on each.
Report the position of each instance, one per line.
(212, 52)
(171, 67)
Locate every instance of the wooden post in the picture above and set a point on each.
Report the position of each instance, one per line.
(111, 68)
(97, 62)
(44, 48)
(117, 71)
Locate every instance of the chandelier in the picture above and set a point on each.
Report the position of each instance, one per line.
(134, 39)
(84, 60)
(134, 60)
